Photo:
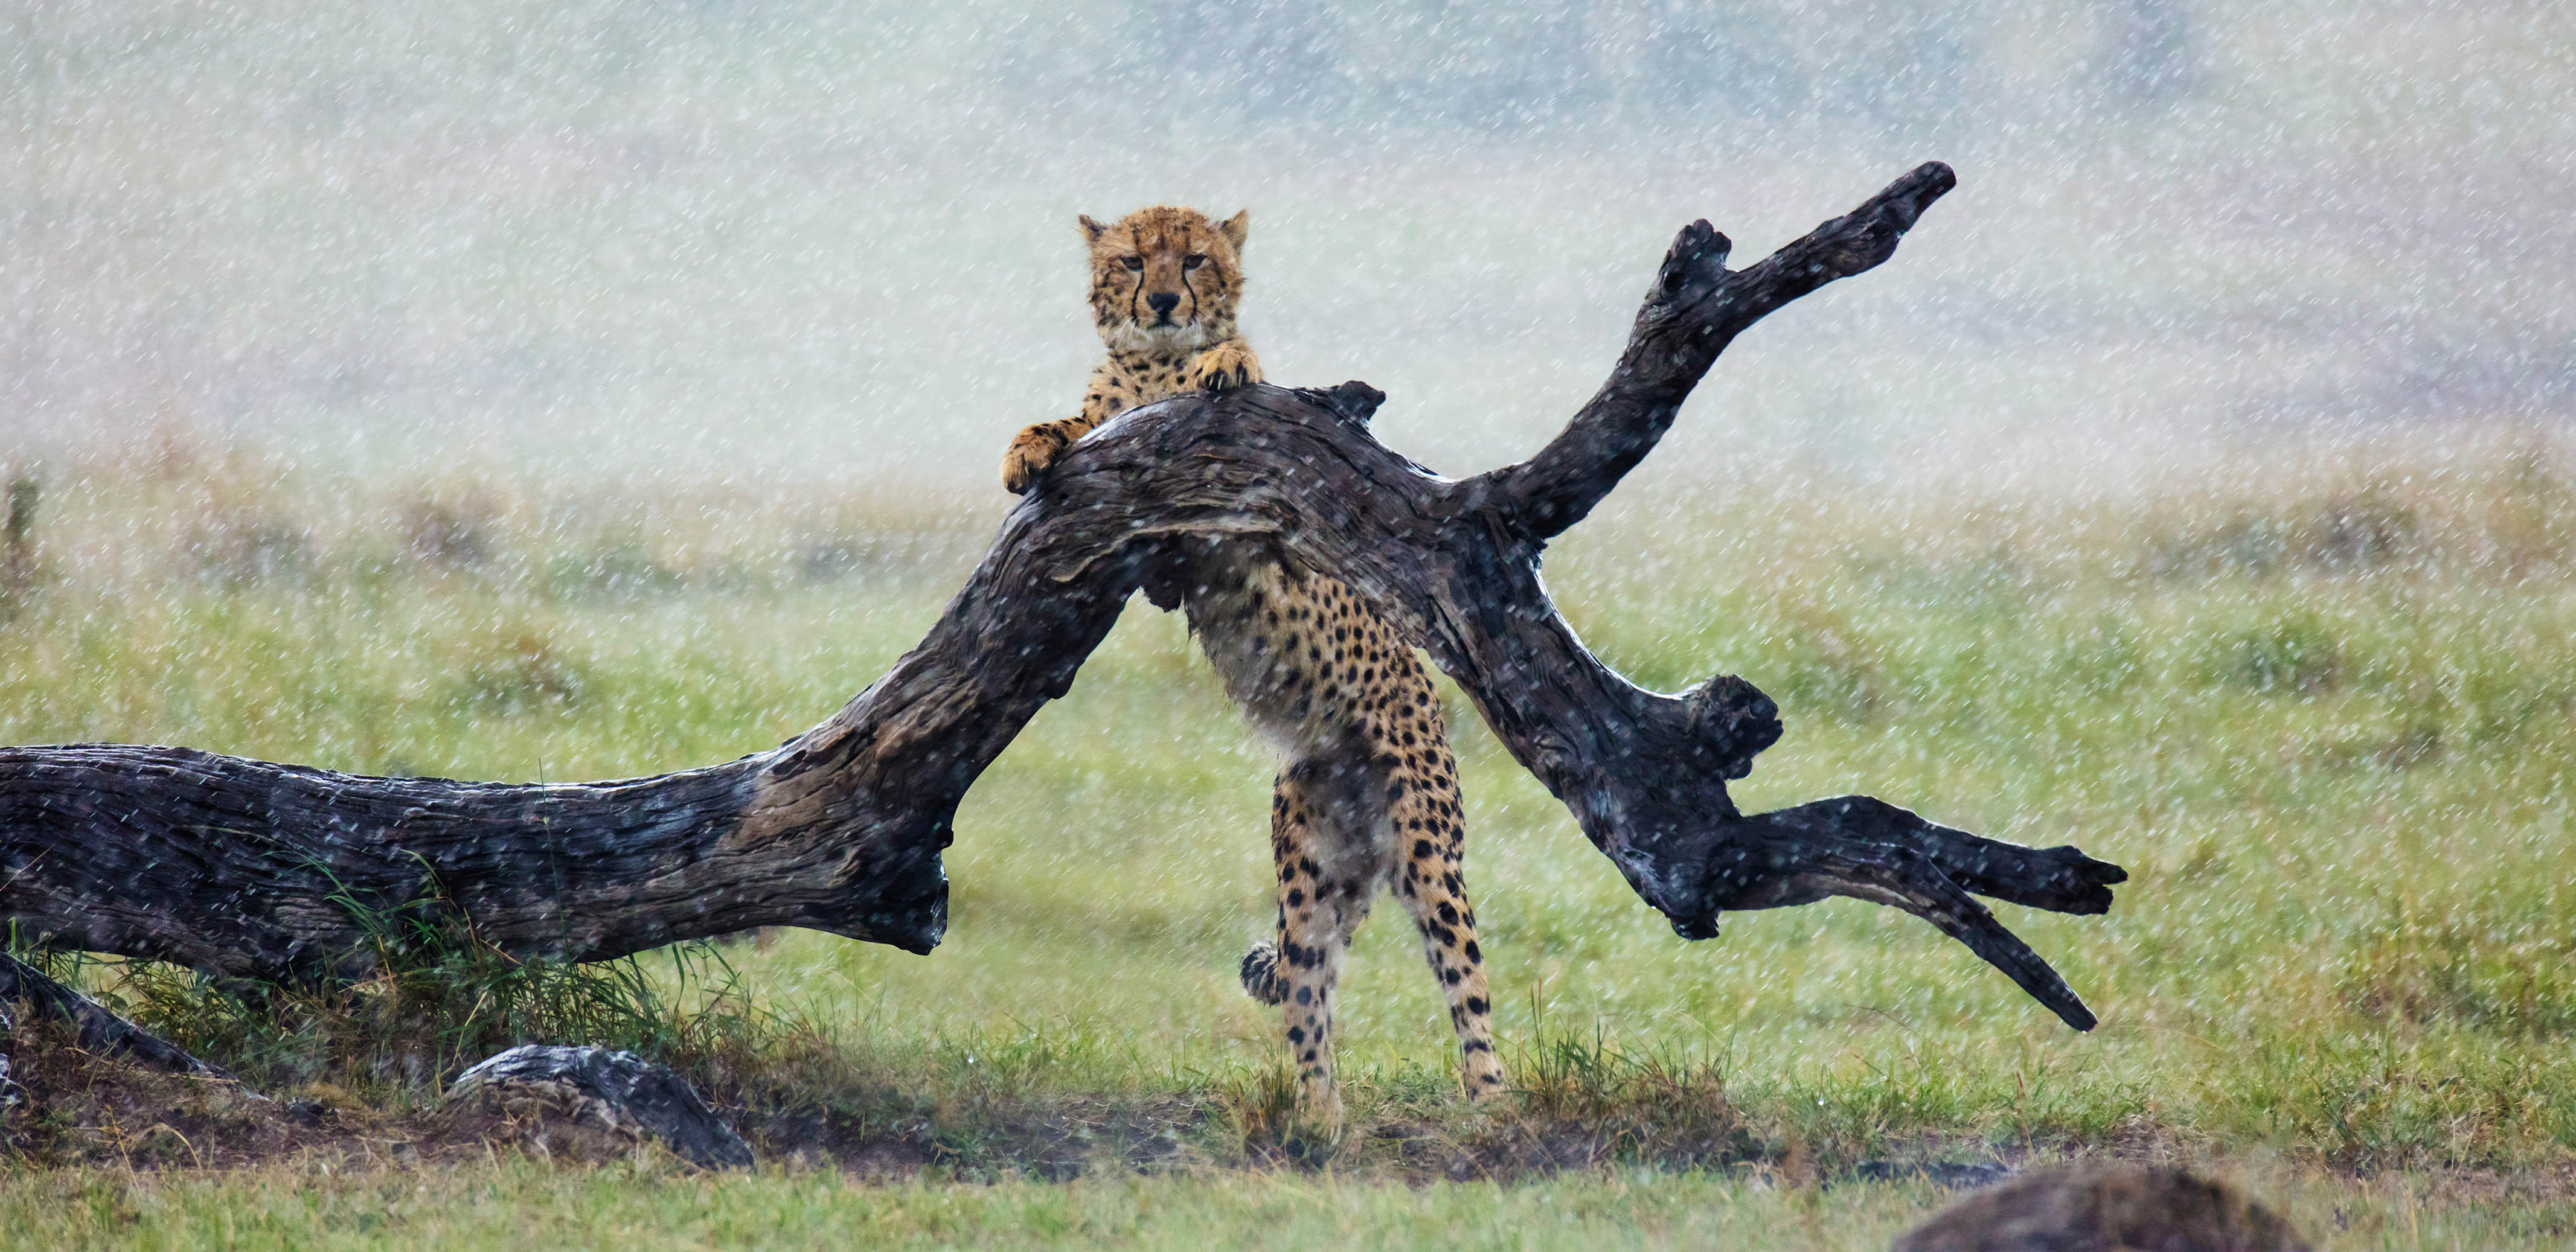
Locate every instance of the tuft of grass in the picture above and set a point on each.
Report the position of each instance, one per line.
(442, 999)
(18, 542)
(2434, 971)
(2297, 656)
(515, 670)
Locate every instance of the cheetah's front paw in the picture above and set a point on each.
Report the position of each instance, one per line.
(1035, 449)
(1224, 368)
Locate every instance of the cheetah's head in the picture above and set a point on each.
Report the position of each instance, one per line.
(1165, 280)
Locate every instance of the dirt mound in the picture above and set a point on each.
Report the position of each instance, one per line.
(73, 1107)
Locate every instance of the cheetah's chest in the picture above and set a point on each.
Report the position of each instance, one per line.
(1151, 379)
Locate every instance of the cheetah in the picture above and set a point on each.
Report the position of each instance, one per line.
(1367, 794)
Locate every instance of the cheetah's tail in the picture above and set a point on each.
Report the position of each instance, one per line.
(1261, 978)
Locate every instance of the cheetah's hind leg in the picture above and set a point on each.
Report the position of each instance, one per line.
(1434, 890)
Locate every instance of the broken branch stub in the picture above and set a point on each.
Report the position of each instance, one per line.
(247, 868)
(98, 1029)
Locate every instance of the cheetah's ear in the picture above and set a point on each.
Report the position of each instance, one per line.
(1091, 230)
(1235, 227)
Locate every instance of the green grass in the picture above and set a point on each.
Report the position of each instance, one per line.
(648, 1205)
(2344, 967)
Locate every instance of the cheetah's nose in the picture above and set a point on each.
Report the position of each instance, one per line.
(1163, 302)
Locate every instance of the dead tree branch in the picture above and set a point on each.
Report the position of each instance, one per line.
(99, 1029)
(249, 869)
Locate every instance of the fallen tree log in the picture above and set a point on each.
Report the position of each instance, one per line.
(251, 870)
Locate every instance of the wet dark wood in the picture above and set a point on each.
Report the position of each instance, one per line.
(241, 867)
(96, 1028)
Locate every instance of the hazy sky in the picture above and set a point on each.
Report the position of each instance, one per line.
(823, 240)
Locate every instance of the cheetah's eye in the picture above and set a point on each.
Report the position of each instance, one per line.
(1132, 262)
(1193, 261)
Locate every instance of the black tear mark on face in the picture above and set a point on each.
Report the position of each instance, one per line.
(1135, 289)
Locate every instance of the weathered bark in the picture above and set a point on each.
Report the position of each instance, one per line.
(243, 868)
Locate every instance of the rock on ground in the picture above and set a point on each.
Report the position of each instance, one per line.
(2098, 1208)
(619, 1092)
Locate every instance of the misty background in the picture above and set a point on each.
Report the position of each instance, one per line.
(786, 240)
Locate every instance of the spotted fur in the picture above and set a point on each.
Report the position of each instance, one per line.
(1367, 795)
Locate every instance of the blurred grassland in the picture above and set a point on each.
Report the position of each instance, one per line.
(2319, 710)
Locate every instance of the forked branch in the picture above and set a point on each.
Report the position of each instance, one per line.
(244, 868)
